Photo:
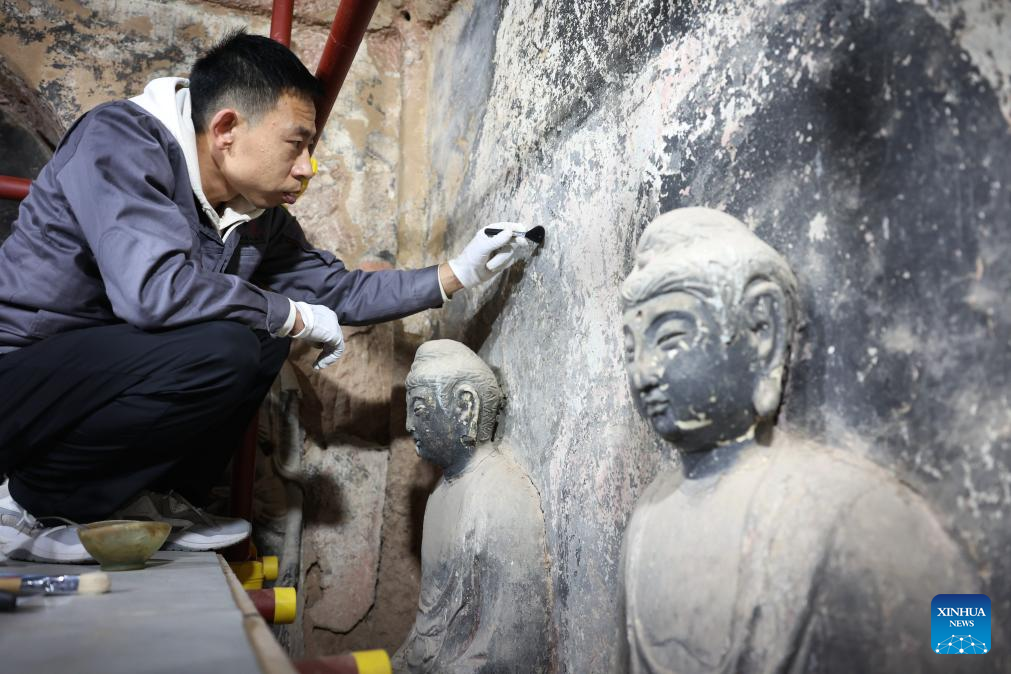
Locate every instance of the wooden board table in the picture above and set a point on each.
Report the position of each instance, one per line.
(186, 612)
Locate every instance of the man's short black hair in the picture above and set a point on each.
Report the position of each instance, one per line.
(249, 73)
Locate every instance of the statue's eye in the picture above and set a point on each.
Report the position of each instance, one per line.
(668, 338)
(673, 334)
(420, 409)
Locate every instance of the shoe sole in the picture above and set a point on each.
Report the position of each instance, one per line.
(203, 543)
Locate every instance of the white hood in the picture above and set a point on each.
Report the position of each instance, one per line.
(168, 100)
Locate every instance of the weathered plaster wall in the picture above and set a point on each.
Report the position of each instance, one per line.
(868, 141)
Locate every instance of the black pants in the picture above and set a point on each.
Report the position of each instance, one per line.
(91, 417)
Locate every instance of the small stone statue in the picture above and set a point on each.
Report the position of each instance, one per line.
(485, 579)
(779, 555)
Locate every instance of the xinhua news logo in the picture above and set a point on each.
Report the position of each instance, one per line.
(960, 624)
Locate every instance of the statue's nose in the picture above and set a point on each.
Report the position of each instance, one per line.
(644, 377)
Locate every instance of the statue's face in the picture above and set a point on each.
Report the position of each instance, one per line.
(437, 432)
(694, 389)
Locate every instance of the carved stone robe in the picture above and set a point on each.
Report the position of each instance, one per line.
(485, 580)
(790, 558)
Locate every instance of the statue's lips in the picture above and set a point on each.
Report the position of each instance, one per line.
(656, 409)
(654, 402)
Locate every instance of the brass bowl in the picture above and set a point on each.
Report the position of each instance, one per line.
(123, 545)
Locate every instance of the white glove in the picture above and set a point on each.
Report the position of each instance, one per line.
(321, 327)
(486, 255)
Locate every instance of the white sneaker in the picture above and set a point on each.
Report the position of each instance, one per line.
(25, 538)
(192, 528)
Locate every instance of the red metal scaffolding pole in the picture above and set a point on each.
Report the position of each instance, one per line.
(14, 188)
(241, 497)
(346, 34)
(280, 21)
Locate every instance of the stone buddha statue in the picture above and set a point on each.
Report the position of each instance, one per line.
(485, 581)
(771, 555)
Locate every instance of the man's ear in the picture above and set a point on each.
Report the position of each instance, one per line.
(467, 410)
(222, 128)
(766, 321)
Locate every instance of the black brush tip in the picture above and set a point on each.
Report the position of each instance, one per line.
(536, 234)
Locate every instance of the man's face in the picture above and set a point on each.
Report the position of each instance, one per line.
(437, 433)
(694, 389)
(269, 157)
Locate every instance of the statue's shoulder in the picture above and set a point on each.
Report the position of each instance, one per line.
(797, 485)
(503, 484)
(845, 472)
(860, 500)
(500, 465)
(660, 489)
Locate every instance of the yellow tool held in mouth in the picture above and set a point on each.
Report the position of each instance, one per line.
(305, 181)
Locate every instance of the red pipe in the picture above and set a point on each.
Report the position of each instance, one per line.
(330, 664)
(375, 661)
(346, 33)
(280, 21)
(14, 188)
(243, 474)
(275, 605)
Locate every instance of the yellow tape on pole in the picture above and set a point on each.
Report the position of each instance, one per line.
(373, 662)
(285, 605)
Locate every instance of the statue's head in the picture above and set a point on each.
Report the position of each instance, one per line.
(453, 401)
(710, 312)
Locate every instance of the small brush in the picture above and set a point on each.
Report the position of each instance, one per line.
(535, 234)
(86, 583)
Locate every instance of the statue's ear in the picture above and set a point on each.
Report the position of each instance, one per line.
(768, 329)
(467, 410)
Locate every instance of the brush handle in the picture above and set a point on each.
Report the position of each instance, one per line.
(37, 584)
(492, 231)
(10, 584)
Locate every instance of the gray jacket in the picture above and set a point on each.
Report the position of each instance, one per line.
(111, 233)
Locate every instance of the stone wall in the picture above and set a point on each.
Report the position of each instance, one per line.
(868, 141)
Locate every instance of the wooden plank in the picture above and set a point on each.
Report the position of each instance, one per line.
(269, 654)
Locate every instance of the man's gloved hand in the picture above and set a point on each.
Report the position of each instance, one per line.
(486, 255)
(322, 328)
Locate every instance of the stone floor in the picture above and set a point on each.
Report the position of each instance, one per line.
(177, 615)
